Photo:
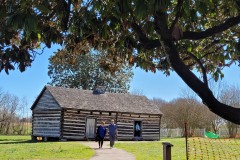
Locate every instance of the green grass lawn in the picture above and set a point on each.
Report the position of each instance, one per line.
(199, 148)
(153, 150)
(20, 147)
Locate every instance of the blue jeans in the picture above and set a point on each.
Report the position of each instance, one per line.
(112, 140)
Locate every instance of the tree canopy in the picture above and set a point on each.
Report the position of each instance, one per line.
(163, 35)
(84, 71)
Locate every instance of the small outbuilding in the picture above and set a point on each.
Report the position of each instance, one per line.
(74, 114)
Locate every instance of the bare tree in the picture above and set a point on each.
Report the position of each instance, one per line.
(8, 108)
(231, 96)
(190, 111)
(169, 117)
(20, 125)
(138, 92)
(159, 101)
(212, 121)
(167, 109)
(183, 110)
(187, 93)
(215, 121)
(11, 113)
(12, 108)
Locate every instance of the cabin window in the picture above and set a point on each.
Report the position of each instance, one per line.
(137, 128)
(110, 113)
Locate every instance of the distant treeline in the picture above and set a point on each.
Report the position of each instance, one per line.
(14, 117)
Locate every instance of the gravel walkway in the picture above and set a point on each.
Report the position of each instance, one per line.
(106, 153)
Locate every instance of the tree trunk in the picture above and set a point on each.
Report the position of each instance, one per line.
(227, 112)
(232, 129)
(214, 127)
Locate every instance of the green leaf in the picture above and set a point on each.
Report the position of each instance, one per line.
(39, 36)
(30, 23)
(43, 8)
(123, 6)
(15, 21)
(221, 75)
(216, 76)
(175, 2)
(3, 12)
(213, 14)
(156, 4)
(141, 8)
(187, 11)
(189, 49)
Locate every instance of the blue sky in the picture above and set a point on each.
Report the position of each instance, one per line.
(30, 83)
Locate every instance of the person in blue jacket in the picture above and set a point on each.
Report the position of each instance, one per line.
(101, 133)
(112, 129)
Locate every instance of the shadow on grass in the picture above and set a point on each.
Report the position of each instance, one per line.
(17, 142)
(11, 141)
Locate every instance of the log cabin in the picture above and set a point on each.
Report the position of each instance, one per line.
(74, 114)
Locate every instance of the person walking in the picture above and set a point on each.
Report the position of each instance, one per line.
(101, 132)
(112, 130)
(137, 130)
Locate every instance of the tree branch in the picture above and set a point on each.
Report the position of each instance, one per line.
(230, 22)
(146, 42)
(65, 19)
(178, 14)
(201, 66)
(160, 25)
(203, 91)
(213, 52)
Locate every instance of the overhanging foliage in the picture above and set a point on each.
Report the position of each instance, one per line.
(152, 34)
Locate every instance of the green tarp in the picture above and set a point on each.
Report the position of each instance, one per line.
(211, 135)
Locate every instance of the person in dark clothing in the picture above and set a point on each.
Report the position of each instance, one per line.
(101, 132)
(112, 129)
(137, 130)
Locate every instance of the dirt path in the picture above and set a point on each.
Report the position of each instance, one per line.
(106, 153)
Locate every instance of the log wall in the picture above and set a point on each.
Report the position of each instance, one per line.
(46, 117)
(74, 124)
(150, 126)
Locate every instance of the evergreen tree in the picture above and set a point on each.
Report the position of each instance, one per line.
(84, 71)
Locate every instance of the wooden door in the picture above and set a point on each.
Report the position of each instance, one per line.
(90, 127)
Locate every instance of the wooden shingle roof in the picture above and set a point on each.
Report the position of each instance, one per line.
(114, 102)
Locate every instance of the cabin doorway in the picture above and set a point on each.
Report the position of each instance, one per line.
(137, 129)
(90, 127)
